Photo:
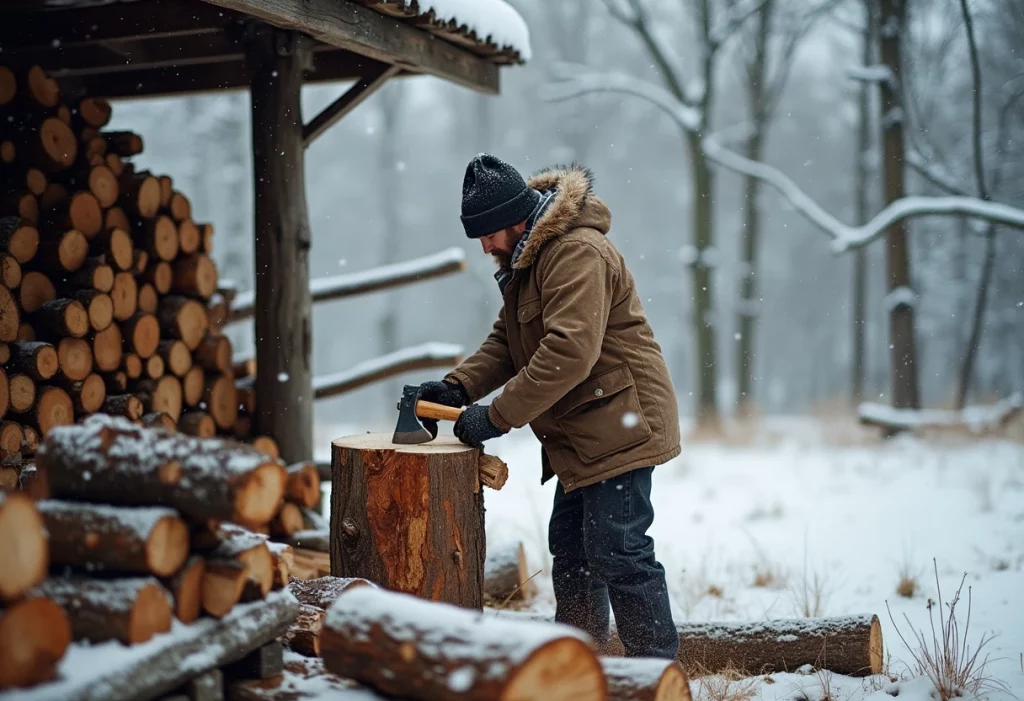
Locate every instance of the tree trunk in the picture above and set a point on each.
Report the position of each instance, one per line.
(284, 407)
(109, 458)
(34, 635)
(749, 305)
(389, 641)
(115, 539)
(903, 356)
(703, 298)
(645, 679)
(24, 566)
(409, 517)
(131, 610)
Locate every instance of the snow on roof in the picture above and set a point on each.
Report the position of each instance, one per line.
(492, 22)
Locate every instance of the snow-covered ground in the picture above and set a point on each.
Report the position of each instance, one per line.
(804, 507)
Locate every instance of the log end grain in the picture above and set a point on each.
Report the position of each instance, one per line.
(561, 669)
(187, 589)
(34, 635)
(25, 556)
(167, 546)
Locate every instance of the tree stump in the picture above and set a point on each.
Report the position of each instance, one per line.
(409, 518)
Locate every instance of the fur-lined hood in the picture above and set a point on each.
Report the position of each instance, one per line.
(575, 205)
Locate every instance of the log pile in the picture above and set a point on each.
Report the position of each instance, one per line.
(140, 526)
(108, 291)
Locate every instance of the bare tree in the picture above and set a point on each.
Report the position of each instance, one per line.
(389, 173)
(767, 48)
(716, 22)
(863, 168)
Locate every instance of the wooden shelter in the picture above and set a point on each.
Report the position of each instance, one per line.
(142, 48)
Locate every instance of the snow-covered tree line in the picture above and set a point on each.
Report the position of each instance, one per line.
(775, 327)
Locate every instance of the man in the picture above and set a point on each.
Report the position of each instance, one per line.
(579, 364)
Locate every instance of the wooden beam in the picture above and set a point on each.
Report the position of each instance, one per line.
(347, 25)
(284, 391)
(328, 66)
(58, 29)
(352, 98)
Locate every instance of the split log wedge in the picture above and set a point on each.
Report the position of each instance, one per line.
(389, 641)
(232, 542)
(303, 635)
(506, 574)
(186, 587)
(115, 539)
(108, 458)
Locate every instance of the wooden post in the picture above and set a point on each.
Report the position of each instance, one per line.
(284, 391)
(409, 518)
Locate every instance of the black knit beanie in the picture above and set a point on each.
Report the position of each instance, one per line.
(494, 196)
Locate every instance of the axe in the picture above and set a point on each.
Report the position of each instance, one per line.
(410, 430)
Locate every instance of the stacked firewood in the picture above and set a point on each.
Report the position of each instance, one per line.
(136, 526)
(108, 292)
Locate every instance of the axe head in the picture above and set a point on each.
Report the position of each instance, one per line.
(410, 430)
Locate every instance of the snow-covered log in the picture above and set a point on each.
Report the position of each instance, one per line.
(115, 539)
(323, 591)
(109, 459)
(849, 645)
(423, 356)
(450, 260)
(645, 679)
(24, 566)
(131, 610)
(303, 635)
(409, 517)
(34, 635)
(413, 648)
(506, 575)
(976, 419)
(156, 668)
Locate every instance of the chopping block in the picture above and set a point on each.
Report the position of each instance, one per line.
(411, 517)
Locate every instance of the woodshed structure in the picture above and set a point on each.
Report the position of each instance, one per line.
(140, 48)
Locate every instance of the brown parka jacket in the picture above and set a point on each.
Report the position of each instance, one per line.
(573, 347)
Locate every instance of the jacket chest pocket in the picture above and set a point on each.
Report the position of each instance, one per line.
(602, 415)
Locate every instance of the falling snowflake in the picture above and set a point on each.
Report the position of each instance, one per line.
(630, 419)
(282, 377)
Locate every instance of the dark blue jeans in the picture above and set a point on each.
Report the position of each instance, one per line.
(603, 556)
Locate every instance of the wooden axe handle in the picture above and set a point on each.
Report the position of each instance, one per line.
(431, 410)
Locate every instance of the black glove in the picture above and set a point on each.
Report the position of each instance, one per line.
(474, 426)
(448, 393)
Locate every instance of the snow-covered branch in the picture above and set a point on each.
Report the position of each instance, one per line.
(846, 237)
(975, 419)
(873, 74)
(324, 289)
(425, 355)
(573, 84)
